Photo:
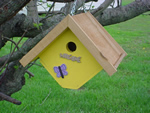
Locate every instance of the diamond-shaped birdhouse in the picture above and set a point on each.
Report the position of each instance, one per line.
(76, 50)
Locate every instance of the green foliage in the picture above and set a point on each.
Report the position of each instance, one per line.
(40, 0)
(49, 5)
(16, 67)
(126, 2)
(93, 7)
(6, 49)
(37, 25)
(42, 15)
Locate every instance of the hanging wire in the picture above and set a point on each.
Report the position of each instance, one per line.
(84, 8)
(73, 8)
(91, 6)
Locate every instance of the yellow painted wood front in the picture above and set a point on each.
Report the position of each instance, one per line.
(79, 72)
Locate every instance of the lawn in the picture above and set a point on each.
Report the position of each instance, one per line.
(128, 90)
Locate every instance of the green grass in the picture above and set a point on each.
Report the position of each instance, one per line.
(6, 50)
(128, 90)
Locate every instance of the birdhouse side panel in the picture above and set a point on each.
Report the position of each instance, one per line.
(66, 55)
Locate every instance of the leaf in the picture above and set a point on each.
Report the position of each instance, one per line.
(93, 6)
(49, 5)
(16, 67)
(40, 24)
(37, 25)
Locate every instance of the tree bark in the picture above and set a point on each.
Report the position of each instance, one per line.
(12, 79)
(123, 13)
(30, 43)
(8, 98)
(102, 7)
(62, 1)
(32, 11)
(9, 8)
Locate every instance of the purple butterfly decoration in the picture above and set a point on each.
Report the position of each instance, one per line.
(61, 70)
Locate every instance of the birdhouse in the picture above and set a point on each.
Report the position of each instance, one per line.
(76, 50)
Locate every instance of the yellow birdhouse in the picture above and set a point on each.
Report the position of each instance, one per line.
(76, 50)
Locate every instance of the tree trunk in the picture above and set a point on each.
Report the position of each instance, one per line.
(32, 11)
(12, 79)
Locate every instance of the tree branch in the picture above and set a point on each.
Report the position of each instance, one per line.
(10, 8)
(9, 99)
(17, 25)
(123, 13)
(50, 8)
(102, 7)
(13, 78)
(30, 74)
(12, 42)
(30, 43)
(64, 1)
(32, 11)
(6, 61)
